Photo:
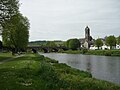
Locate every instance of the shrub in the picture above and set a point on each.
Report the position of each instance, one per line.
(107, 53)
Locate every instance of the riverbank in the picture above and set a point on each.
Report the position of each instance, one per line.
(4, 56)
(36, 72)
(94, 52)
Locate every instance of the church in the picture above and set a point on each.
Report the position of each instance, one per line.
(88, 40)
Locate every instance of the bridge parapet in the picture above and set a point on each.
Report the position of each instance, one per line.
(48, 49)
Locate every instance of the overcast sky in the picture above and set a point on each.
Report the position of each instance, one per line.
(65, 19)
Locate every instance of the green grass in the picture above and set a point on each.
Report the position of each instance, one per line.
(104, 52)
(4, 56)
(21, 74)
(36, 72)
(95, 52)
(72, 52)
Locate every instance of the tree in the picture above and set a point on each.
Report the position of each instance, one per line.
(118, 40)
(51, 44)
(111, 41)
(73, 44)
(8, 8)
(15, 34)
(98, 43)
(1, 45)
(67, 43)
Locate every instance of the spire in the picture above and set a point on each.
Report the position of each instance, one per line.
(87, 28)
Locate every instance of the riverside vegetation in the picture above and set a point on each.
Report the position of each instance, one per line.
(4, 56)
(36, 72)
(94, 52)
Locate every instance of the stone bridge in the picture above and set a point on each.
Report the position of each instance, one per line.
(46, 49)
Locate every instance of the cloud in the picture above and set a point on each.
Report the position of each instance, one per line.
(63, 19)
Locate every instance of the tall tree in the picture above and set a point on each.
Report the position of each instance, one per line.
(15, 34)
(98, 43)
(1, 45)
(8, 8)
(111, 41)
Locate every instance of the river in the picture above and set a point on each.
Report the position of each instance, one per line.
(101, 67)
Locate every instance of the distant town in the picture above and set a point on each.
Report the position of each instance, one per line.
(87, 42)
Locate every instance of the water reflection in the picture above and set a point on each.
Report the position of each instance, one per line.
(88, 67)
(101, 67)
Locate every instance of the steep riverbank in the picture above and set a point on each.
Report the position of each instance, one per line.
(36, 72)
(94, 52)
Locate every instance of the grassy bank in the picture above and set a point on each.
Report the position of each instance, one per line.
(36, 72)
(104, 52)
(72, 52)
(95, 52)
(4, 56)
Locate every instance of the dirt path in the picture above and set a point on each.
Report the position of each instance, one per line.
(6, 60)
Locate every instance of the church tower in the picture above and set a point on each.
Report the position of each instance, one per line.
(87, 34)
(87, 37)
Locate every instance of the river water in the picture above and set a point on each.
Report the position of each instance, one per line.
(101, 67)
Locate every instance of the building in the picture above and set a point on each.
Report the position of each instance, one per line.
(88, 40)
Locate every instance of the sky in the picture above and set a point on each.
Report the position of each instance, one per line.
(65, 19)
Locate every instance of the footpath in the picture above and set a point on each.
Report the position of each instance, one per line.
(8, 59)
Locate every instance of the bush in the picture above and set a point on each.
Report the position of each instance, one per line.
(73, 44)
(107, 53)
(48, 74)
(50, 60)
(65, 69)
(84, 51)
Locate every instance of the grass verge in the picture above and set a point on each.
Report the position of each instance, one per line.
(36, 72)
(94, 52)
(4, 56)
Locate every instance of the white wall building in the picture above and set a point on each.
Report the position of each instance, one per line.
(117, 46)
(93, 47)
(104, 47)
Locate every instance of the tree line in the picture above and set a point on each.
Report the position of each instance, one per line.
(75, 44)
(14, 26)
(109, 41)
